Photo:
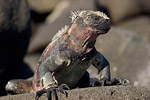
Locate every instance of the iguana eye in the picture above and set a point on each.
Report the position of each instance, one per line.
(42, 82)
(96, 18)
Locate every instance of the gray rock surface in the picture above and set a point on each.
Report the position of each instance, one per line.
(66, 6)
(14, 40)
(32, 60)
(14, 16)
(139, 25)
(94, 93)
(43, 6)
(120, 10)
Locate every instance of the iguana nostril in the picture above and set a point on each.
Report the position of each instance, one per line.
(107, 20)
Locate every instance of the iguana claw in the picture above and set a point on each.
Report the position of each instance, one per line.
(114, 81)
(52, 91)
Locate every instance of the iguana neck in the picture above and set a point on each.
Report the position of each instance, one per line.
(82, 38)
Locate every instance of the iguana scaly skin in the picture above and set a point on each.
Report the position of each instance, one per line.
(66, 59)
(71, 52)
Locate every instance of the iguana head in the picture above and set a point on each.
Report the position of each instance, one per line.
(97, 20)
(86, 26)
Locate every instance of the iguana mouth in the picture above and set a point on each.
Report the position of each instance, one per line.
(103, 30)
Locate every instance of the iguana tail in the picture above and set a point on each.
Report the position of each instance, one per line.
(19, 86)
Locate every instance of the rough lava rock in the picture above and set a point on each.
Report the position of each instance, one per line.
(14, 39)
(45, 6)
(120, 10)
(94, 93)
(66, 6)
(42, 6)
(139, 25)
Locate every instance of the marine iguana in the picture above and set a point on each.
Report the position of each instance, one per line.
(66, 59)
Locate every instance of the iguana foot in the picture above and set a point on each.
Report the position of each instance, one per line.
(52, 91)
(114, 81)
(101, 83)
(119, 81)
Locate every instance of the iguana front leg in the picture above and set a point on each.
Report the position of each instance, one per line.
(50, 86)
(103, 68)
